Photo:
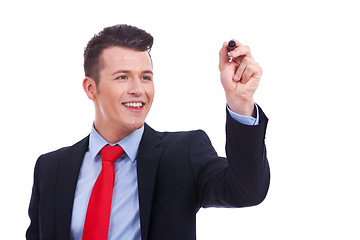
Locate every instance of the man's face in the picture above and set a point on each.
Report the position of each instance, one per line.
(125, 91)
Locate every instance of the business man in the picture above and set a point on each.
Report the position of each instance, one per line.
(128, 181)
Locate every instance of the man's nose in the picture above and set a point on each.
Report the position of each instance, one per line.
(136, 88)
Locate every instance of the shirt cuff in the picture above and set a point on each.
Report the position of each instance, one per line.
(244, 119)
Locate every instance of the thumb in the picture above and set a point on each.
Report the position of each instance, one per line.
(223, 57)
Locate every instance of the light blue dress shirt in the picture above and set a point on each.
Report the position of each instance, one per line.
(124, 218)
(243, 119)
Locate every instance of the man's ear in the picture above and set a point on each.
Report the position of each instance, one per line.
(89, 86)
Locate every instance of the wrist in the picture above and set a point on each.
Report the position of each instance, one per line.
(244, 108)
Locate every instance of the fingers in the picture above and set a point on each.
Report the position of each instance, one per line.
(251, 71)
(248, 68)
(240, 50)
(243, 64)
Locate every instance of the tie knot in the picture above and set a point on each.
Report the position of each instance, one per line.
(111, 153)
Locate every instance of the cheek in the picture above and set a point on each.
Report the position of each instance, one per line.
(111, 102)
(150, 92)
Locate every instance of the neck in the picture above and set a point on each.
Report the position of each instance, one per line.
(112, 134)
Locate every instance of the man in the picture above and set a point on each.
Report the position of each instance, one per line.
(161, 179)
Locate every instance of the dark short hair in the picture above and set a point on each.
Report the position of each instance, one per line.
(121, 35)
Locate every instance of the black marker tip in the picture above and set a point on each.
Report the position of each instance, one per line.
(231, 44)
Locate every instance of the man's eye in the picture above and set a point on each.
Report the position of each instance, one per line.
(147, 78)
(121, 77)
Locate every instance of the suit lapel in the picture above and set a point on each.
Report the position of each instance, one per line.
(68, 172)
(148, 158)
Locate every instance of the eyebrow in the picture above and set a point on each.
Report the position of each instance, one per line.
(127, 71)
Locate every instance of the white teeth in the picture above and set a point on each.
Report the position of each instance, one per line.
(133, 104)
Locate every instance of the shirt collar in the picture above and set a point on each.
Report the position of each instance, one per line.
(130, 144)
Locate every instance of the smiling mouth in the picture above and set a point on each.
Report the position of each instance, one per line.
(136, 105)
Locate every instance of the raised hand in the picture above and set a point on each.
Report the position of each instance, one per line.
(240, 78)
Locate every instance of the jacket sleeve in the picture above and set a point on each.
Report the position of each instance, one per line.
(242, 179)
(32, 232)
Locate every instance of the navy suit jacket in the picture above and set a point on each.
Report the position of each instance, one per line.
(178, 173)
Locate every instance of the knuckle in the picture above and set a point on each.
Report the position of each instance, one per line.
(247, 60)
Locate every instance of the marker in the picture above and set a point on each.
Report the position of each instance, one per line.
(231, 46)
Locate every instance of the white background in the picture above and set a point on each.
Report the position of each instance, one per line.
(309, 51)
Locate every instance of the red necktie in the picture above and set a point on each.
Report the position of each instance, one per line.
(97, 219)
